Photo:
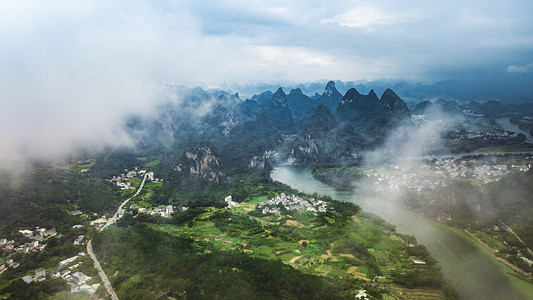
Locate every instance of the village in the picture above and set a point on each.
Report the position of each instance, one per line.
(438, 173)
(276, 224)
(459, 130)
(291, 202)
(492, 135)
(484, 172)
(68, 269)
(35, 245)
(37, 237)
(124, 180)
(164, 211)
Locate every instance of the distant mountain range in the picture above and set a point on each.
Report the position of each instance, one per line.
(212, 135)
(508, 87)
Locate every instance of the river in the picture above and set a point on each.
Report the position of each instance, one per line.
(472, 269)
(506, 124)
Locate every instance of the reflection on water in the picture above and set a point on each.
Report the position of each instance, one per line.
(472, 269)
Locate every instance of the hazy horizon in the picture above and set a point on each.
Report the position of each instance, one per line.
(71, 70)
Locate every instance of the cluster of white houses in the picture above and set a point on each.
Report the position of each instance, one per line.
(292, 202)
(444, 169)
(165, 211)
(10, 263)
(78, 281)
(6, 245)
(79, 240)
(162, 210)
(122, 181)
(497, 135)
(39, 234)
(99, 222)
(36, 236)
(485, 172)
(40, 275)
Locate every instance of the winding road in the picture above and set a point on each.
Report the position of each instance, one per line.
(115, 216)
(97, 265)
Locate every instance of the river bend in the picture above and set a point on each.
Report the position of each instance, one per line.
(472, 269)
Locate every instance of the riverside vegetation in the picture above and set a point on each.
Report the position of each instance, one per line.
(493, 206)
(210, 250)
(295, 254)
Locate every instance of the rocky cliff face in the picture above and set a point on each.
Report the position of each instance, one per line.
(257, 162)
(203, 162)
(306, 152)
(220, 121)
(324, 150)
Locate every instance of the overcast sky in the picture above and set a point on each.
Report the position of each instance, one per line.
(63, 62)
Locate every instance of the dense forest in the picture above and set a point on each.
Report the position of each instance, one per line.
(44, 196)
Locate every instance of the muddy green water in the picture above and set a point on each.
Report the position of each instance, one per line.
(472, 269)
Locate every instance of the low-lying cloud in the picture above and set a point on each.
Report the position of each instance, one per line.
(71, 70)
(402, 152)
(527, 68)
(407, 144)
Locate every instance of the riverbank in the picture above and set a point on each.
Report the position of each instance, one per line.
(514, 274)
(517, 278)
(429, 201)
(527, 276)
(506, 124)
(473, 270)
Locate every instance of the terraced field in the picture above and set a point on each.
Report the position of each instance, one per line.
(355, 247)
